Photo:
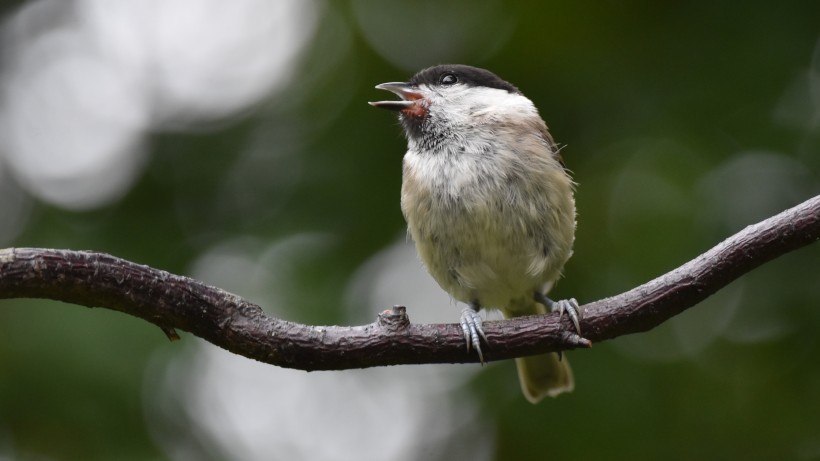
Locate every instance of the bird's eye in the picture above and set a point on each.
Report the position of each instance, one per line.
(448, 79)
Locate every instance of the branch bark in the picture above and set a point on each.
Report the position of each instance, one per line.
(171, 301)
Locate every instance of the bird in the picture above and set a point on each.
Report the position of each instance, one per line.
(489, 204)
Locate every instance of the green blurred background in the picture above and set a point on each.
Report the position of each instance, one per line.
(231, 141)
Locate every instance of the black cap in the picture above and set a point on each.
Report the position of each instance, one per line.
(448, 74)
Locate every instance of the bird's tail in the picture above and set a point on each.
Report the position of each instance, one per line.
(544, 375)
(541, 375)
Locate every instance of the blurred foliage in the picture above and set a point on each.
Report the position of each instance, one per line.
(665, 110)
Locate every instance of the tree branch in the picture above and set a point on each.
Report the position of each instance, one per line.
(172, 301)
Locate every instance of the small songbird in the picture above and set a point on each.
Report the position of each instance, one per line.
(488, 203)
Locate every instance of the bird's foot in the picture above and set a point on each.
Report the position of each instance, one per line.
(569, 306)
(473, 331)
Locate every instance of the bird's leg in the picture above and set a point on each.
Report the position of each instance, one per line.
(570, 306)
(471, 327)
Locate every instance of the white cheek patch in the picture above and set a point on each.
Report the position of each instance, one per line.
(492, 101)
(463, 105)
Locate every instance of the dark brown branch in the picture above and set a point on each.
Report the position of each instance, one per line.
(171, 301)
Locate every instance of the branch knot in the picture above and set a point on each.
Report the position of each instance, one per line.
(394, 319)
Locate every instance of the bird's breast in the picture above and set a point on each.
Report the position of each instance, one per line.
(486, 226)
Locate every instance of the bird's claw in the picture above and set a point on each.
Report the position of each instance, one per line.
(571, 307)
(473, 331)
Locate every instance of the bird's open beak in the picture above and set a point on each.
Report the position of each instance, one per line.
(407, 92)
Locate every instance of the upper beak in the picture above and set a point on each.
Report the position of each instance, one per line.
(409, 94)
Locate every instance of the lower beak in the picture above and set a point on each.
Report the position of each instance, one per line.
(409, 94)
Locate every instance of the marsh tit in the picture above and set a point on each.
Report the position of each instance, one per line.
(488, 203)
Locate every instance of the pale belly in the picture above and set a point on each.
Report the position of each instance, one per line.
(474, 266)
(491, 228)
(492, 248)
